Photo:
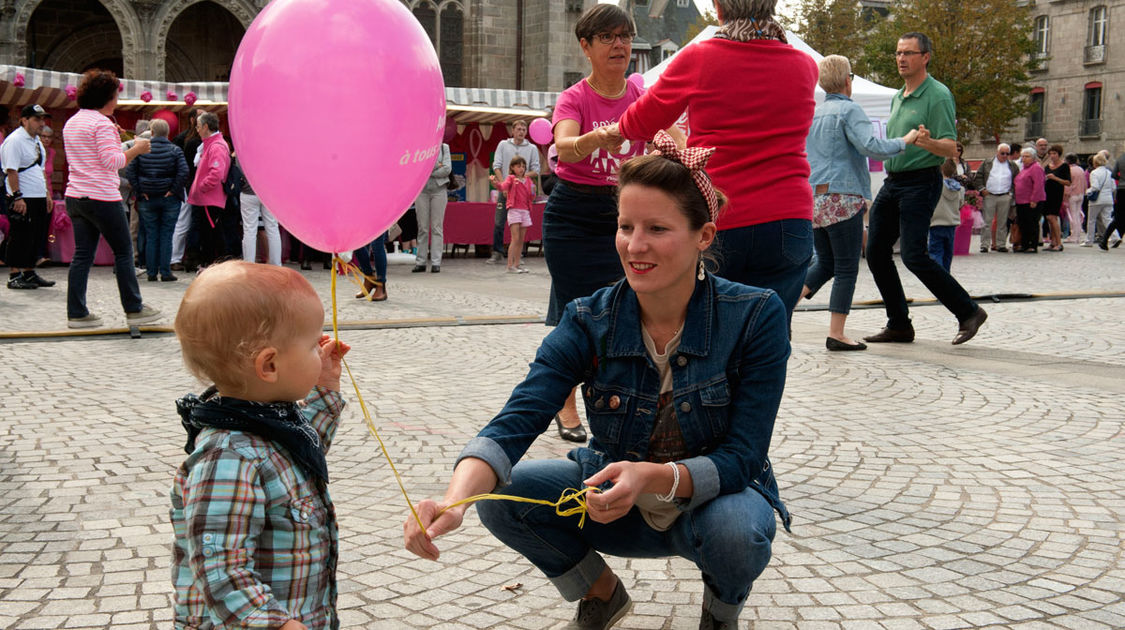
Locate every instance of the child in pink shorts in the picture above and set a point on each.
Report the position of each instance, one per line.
(520, 193)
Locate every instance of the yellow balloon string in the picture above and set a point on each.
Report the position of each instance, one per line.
(362, 405)
(570, 494)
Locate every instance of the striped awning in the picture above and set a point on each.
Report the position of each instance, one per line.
(48, 88)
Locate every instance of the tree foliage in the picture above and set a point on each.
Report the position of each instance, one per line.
(705, 19)
(983, 50)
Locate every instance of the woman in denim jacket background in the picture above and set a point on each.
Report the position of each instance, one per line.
(692, 423)
(839, 143)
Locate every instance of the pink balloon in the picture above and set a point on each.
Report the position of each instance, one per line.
(540, 131)
(169, 117)
(637, 79)
(366, 65)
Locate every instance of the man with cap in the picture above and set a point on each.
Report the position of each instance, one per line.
(25, 183)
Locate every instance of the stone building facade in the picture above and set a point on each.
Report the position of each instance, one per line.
(508, 44)
(1077, 95)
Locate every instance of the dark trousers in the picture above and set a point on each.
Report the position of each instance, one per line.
(773, 255)
(1118, 222)
(838, 248)
(499, 222)
(374, 253)
(27, 231)
(902, 210)
(1028, 220)
(208, 224)
(91, 220)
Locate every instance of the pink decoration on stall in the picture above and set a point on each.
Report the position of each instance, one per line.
(71, 92)
(146, 96)
(171, 95)
(120, 86)
(190, 98)
(19, 81)
(379, 49)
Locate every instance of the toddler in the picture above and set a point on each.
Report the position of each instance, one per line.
(947, 216)
(519, 191)
(255, 530)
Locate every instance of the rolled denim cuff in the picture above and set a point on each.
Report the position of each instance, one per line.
(720, 610)
(575, 583)
(704, 481)
(489, 451)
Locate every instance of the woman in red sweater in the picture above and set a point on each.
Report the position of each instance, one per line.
(750, 95)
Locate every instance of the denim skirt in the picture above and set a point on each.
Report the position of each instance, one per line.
(579, 235)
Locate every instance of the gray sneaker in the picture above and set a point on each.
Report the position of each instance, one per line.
(146, 315)
(496, 257)
(89, 321)
(707, 622)
(594, 614)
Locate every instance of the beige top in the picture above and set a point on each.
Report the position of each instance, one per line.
(658, 514)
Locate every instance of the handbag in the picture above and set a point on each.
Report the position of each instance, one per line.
(452, 183)
(1092, 196)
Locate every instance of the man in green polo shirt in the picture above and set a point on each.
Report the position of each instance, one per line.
(904, 206)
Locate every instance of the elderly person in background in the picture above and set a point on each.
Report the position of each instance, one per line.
(158, 179)
(1097, 216)
(429, 208)
(93, 200)
(750, 95)
(1057, 173)
(840, 138)
(994, 180)
(1030, 195)
(207, 194)
(1074, 193)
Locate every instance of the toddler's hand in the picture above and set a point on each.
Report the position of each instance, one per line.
(331, 354)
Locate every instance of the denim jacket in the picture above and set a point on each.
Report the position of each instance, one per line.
(839, 139)
(728, 375)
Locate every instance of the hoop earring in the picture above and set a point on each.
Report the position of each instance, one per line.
(702, 271)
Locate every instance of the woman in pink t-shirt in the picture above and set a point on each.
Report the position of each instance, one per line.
(580, 220)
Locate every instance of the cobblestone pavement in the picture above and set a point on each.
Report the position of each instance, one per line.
(932, 486)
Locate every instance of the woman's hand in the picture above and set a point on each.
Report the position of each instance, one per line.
(420, 542)
(629, 481)
(608, 138)
(331, 354)
(911, 136)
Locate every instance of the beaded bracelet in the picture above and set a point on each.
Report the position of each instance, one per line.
(671, 496)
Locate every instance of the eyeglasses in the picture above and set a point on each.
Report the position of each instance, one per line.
(608, 38)
(907, 53)
(851, 75)
(1004, 153)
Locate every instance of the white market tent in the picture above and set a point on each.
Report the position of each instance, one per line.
(875, 99)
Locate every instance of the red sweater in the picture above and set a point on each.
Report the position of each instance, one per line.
(753, 101)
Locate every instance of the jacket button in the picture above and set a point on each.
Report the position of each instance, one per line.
(681, 360)
(685, 407)
(614, 402)
(600, 403)
(589, 392)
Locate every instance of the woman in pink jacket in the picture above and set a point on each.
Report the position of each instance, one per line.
(1030, 195)
(207, 197)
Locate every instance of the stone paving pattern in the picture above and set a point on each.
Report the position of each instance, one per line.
(932, 486)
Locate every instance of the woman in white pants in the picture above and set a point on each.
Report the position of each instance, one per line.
(252, 209)
(1098, 211)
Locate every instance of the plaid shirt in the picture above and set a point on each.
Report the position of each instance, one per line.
(256, 538)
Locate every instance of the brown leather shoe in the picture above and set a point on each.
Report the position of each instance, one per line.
(970, 326)
(892, 335)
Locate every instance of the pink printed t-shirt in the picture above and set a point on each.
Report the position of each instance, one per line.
(589, 109)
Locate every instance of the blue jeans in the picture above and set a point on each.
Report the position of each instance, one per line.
(92, 219)
(569, 556)
(903, 208)
(375, 251)
(941, 244)
(773, 255)
(837, 256)
(158, 218)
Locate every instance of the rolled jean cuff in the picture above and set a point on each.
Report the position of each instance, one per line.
(721, 610)
(575, 583)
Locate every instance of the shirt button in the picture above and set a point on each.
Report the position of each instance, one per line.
(208, 538)
(208, 552)
(681, 360)
(685, 407)
(614, 402)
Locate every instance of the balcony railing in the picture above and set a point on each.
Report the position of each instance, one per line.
(1093, 54)
(1092, 127)
(1035, 129)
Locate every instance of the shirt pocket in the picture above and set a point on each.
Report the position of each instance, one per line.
(714, 400)
(607, 409)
